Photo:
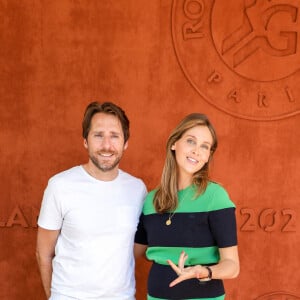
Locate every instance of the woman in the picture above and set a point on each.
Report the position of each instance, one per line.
(188, 219)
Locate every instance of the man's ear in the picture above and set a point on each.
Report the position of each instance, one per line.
(85, 143)
(126, 145)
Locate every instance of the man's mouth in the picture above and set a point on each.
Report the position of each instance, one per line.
(106, 154)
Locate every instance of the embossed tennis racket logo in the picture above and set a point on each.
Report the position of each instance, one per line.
(261, 41)
(242, 56)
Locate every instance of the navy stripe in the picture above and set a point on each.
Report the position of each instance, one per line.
(193, 229)
(160, 277)
(222, 224)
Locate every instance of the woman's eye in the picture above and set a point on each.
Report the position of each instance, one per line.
(190, 141)
(205, 147)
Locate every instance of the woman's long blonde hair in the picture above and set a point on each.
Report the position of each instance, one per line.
(165, 198)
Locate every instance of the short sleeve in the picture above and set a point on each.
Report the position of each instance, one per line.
(223, 227)
(141, 234)
(222, 219)
(50, 216)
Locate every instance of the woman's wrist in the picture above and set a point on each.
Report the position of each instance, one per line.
(208, 276)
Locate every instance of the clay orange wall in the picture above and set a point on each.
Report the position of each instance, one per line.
(236, 61)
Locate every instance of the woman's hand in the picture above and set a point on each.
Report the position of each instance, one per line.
(188, 272)
(228, 267)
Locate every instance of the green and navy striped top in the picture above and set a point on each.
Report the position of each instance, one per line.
(200, 226)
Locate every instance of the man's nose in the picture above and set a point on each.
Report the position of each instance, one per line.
(106, 142)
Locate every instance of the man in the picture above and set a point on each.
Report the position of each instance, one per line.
(89, 216)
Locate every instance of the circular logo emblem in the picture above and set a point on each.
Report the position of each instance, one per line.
(242, 56)
(278, 296)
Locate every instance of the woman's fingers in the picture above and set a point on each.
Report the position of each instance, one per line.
(182, 272)
(181, 278)
(174, 267)
(182, 259)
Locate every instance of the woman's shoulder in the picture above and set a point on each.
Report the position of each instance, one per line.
(215, 186)
(219, 197)
(148, 204)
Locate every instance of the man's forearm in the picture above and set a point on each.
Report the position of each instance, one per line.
(45, 252)
(46, 275)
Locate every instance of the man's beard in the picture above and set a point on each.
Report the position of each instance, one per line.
(105, 167)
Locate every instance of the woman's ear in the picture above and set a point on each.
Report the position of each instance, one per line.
(173, 147)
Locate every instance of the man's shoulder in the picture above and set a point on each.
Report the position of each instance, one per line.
(66, 175)
(127, 176)
(131, 179)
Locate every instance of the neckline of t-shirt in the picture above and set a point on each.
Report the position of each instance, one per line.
(186, 189)
(86, 174)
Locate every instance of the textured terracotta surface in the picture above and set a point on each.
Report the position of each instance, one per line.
(236, 61)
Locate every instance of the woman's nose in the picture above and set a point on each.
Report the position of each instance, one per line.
(196, 150)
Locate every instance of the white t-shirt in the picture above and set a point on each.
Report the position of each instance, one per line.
(98, 219)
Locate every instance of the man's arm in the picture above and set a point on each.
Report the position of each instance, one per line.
(139, 250)
(45, 251)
